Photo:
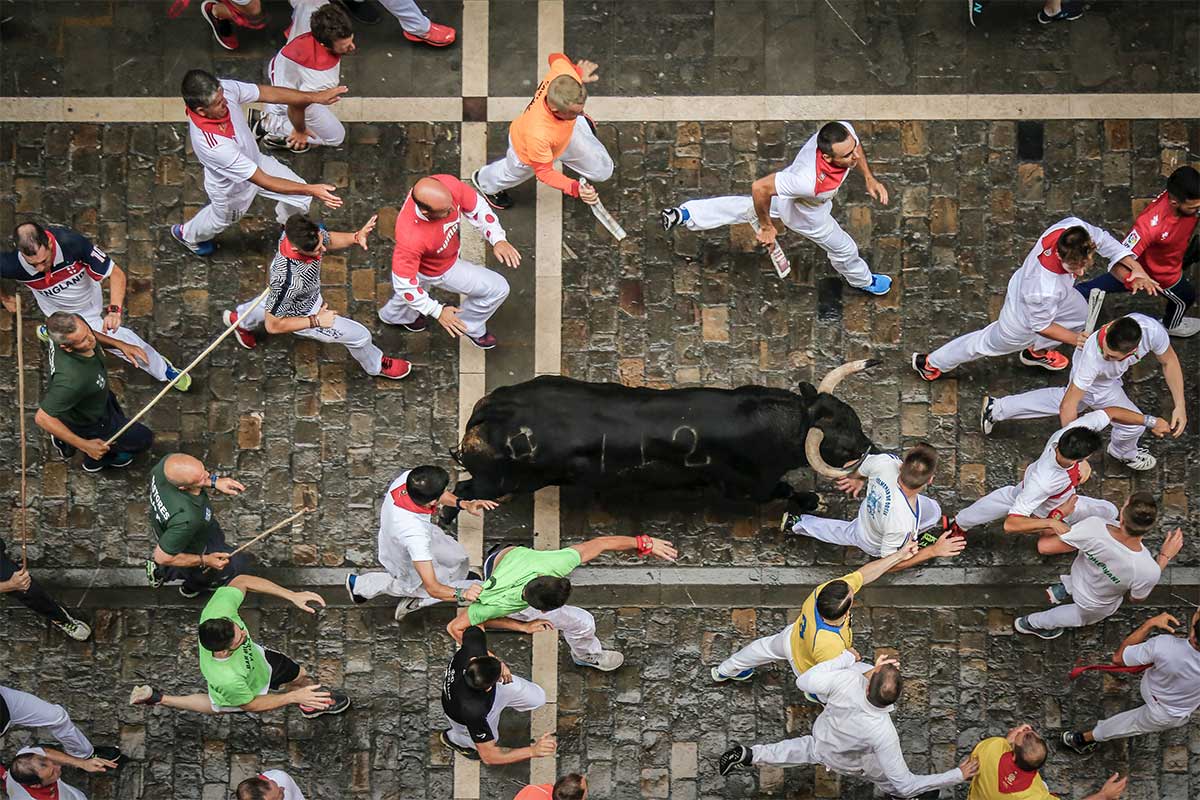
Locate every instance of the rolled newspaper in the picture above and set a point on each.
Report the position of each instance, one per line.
(783, 267)
(606, 219)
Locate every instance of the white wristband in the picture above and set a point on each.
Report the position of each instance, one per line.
(1150, 421)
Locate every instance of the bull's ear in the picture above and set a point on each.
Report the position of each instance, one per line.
(807, 391)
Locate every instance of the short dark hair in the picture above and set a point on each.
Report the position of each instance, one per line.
(569, 787)
(1141, 512)
(255, 788)
(546, 592)
(919, 464)
(22, 770)
(1078, 443)
(1030, 752)
(833, 601)
(62, 324)
(198, 88)
(329, 23)
(1075, 244)
(1184, 184)
(302, 232)
(426, 484)
(885, 686)
(482, 673)
(1123, 335)
(28, 236)
(216, 634)
(831, 133)
(1196, 630)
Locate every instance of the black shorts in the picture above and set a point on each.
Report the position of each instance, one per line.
(283, 669)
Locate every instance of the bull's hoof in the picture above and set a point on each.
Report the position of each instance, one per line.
(806, 502)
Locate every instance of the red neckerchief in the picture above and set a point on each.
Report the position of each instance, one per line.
(1102, 334)
(1077, 671)
(1011, 777)
(217, 127)
(1073, 473)
(288, 250)
(1049, 255)
(402, 499)
(829, 175)
(306, 51)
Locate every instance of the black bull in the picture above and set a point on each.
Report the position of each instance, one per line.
(554, 431)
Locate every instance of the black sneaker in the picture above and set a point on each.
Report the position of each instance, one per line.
(64, 450)
(986, 423)
(1074, 740)
(670, 217)
(499, 200)
(190, 594)
(109, 753)
(341, 702)
(254, 121)
(363, 11)
(466, 752)
(1069, 12)
(733, 758)
(789, 522)
(928, 372)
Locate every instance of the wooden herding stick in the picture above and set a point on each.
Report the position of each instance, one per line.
(272, 529)
(21, 416)
(185, 371)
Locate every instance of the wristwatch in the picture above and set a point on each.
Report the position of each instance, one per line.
(212, 479)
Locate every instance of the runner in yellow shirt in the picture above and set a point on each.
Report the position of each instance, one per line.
(1008, 769)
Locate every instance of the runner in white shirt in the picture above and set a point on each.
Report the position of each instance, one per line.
(1097, 382)
(854, 735)
(1045, 501)
(801, 195)
(1111, 562)
(274, 784)
(1041, 307)
(1170, 687)
(319, 36)
(424, 565)
(36, 773)
(235, 172)
(893, 512)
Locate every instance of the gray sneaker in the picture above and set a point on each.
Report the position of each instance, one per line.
(605, 660)
(1021, 625)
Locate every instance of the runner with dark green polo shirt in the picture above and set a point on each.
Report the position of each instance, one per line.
(527, 590)
(78, 410)
(241, 674)
(191, 546)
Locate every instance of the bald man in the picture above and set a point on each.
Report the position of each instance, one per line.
(427, 255)
(552, 127)
(191, 546)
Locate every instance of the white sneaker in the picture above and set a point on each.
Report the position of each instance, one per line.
(1188, 326)
(1140, 462)
(605, 660)
(406, 607)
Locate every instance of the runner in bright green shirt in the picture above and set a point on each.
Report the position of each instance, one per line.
(527, 590)
(240, 673)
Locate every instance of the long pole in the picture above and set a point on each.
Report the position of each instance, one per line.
(272, 529)
(21, 417)
(185, 371)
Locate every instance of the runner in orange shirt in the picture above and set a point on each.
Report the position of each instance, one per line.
(553, 126)
(571, 786)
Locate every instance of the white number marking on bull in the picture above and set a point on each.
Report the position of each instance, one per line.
(530, 444)
(687, 459)
(603, 448)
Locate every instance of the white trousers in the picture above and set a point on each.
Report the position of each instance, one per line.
(815, 223)
(996, 505)
(578, 627)
(345, 331)
(1000, 340)
(27, 711)
(373, 584)
(157, 366)
(520, 695)
(483, 291)
(849, 532)
(762, 651)
(1038, 403)
(1070, 615)
(585, 154)
(324, 128)
(1149, 718)
(225, 208)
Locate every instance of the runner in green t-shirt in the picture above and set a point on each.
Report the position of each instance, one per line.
(240, 673)
(527, 590)
(78, 410)
(191, 546)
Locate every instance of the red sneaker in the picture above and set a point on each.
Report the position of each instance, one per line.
(394, 368)
(920, 362)
(1046, 359)
(222, 28)
(438, 36)
(244, 337)
(485, 342)
(417, 325)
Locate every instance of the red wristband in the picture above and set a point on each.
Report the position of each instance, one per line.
(645, 545)
(1056, 514)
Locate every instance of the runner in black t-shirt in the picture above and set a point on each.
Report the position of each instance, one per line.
(478, 686)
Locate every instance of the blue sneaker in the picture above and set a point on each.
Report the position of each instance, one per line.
(200, 248)
(350, 580)
(184, 383)
(879, 285)
(1058, 594)
(721, 677)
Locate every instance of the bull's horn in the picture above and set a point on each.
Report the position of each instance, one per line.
(812, 449)
(835, 376)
